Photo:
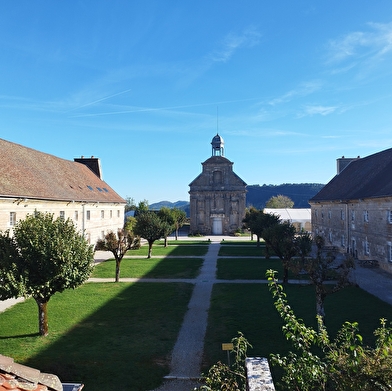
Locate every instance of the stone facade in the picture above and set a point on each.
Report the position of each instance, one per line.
(217, 196)
(362, 228)
(94, 219)
(353, 212)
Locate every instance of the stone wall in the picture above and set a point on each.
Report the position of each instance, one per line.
(360, 227)
(258, 374)
(94, 219)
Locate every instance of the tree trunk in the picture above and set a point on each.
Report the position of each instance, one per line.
(117, 278)
(42, 316)
(177, 233)
(285, 273)
(258, 241)
(320, 296)
(149, 249)
(165, 242)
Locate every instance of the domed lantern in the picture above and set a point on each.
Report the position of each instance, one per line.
(217, 146)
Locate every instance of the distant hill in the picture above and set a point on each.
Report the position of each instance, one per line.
(257, 196)
(183, 205)
(300, 193)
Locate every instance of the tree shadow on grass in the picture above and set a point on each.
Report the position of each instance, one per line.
(123, 342)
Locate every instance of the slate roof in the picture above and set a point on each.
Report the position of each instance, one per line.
(368, 177)
(27, 173)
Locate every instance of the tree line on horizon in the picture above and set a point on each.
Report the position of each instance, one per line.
(258, 196)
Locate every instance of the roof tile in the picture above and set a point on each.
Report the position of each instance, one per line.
(27, 173)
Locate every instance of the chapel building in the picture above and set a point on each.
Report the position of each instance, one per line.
(217, 196)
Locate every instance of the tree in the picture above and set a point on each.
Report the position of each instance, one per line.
(49, 256)
(324, 268)
(257, 221)
(11, 282)
(281, 239)
(167, 216)
(118, 245)
(279, 202)
(342, 364)
(150, 227)
(179, 219)
(130, 204)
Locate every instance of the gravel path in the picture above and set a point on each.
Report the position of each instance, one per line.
(188, 351)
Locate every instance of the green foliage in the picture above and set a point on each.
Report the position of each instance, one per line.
(281, 238)
(150, 227)
(51, 257)
(257, 222)
(279, 202)
(228, 378)
(54, 256)
(343, 364)
(11, 282)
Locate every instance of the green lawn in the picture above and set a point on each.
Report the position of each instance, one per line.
(150, 268)
(242, 251)
(251, 269)
(173, 249)
(249, 308)
(246, 268)
(109, 336)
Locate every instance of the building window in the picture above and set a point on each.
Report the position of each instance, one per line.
(330, 237)
(62, 215)
(88, 215)
(12, 218)
(76, 216)
(217, 177)
(366, 216)
(322, 214)
(353, 215)
(389, 251)
(343, 241)
(111, 214)
(366, 248)
(102, 214)
(118, 213)
(390, 216)
(342, 214)
(329, 214)
(102, 234)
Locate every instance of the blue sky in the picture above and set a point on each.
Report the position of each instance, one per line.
(145, 85)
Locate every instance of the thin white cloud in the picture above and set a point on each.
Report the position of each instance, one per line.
(232, 42)
(302, 90)
(361, 46)
(317, 110)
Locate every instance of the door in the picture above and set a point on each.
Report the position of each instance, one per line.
(217, 226)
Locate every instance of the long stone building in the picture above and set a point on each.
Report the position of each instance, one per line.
(31, 180)
(353, 212)
(217, 196)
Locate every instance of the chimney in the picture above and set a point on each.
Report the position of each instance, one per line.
(93, 163)
(343, 162)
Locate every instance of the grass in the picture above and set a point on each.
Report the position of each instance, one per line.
(150, 268)
(178, 249)
(249, 308)
(251, 269)
(109, 336)
(246, 268)
(241, 251)
(119, 336)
